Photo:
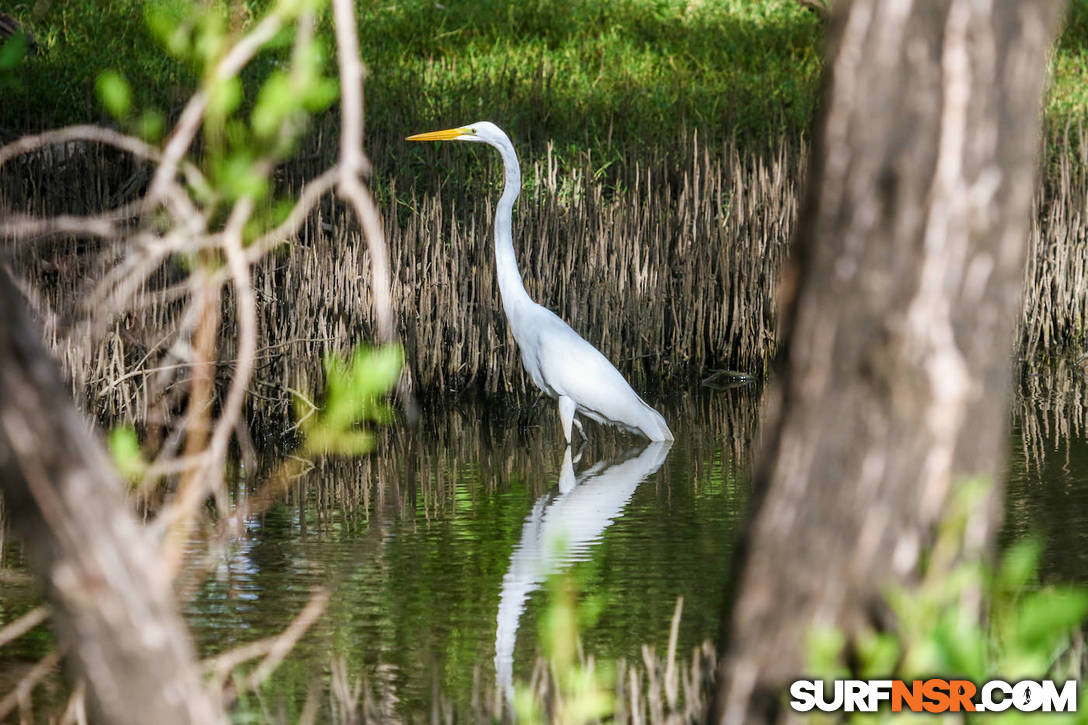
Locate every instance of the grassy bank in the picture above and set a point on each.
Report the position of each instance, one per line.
(596, 75)
(590, 75)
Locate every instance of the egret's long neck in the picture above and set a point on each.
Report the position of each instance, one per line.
(506, 264)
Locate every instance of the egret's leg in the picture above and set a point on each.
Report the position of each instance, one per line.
(580, 431)
(566, 414)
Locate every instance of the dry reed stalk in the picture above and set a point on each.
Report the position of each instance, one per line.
(669, 265)
(669, 269)
(638, 694)
(1049, 409)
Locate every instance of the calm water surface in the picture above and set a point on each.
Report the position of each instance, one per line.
(438, 546)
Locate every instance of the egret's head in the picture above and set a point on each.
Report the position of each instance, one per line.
(482, 131)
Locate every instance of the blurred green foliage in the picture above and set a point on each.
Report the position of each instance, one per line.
(966, 619)
(12, 55)
(354, 397)
(124, 446)
(594, 75)
(603, 77)
(583, 691)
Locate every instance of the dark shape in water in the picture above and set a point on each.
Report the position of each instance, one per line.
(725, 379)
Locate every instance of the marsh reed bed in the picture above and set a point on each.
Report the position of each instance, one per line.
(669, 272)
(1054, 312)
(669, 263)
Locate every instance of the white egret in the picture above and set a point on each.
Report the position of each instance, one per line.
(559, 361)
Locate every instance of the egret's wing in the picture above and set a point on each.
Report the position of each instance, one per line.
(573, 367)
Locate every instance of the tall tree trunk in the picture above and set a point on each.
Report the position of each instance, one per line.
(112, 604)
(898, 336)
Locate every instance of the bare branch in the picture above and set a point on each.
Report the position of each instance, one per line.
(353, 163)
(21, 226)
(95, 134)
(193, 114)
(308, 198)
(194, 491)
(22, 691)
(246, 310)
(22, 625)
(273, 649)
(94, 560)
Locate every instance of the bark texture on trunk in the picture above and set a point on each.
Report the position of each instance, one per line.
(112, 602)
(898, 332)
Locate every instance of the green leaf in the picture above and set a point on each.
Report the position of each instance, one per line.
(275, 102)
(824, 646)
(171, 24)
(324, 441)
(1046, 616)
(125, 448)
(377, 370)
(879, 653)
(292, 8)
(238, 176)
(210, 40)
(114, 92)
(962, 646)
(321, 94)
(1018, 565)
(12, 52)
(224, 97)
(353, 389)
(150, 125)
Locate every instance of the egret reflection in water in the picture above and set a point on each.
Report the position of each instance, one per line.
(560, 530)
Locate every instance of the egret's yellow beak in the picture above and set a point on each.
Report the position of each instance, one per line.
(447, 135)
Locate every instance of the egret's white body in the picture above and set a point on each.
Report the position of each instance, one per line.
(559, 361)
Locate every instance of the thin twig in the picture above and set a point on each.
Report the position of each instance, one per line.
(193, 114)
(22, 226)
(94, 134)
(194, 490)
(26, 685)
(273, 649)
(23, 624)
(353, 163)
(246, 310)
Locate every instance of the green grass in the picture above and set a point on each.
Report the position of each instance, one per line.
(590, 74)
(599, 75)
(1068, 98)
